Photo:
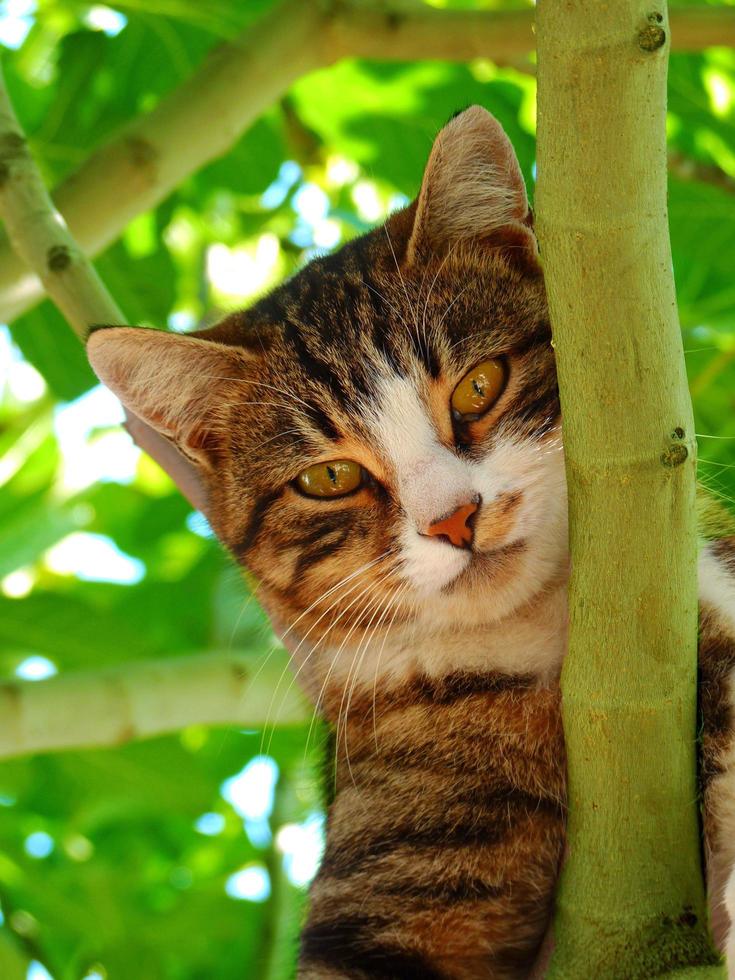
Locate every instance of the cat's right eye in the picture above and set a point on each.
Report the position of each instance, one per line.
(478, 390)
(336, 478)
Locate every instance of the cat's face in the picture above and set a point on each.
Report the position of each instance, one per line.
(379, 439)
(361, 359)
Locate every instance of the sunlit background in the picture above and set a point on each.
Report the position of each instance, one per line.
(188, 856)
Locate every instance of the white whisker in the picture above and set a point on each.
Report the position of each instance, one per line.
(380, 655)
(382, 608)
(398, 268)
(321, 598)
(303, 639)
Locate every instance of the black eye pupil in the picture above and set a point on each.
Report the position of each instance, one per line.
(332, 474)
(478, 389)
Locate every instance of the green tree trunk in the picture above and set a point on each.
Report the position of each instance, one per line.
(631, 901)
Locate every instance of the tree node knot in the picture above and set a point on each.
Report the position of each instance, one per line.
(653, 36)
(12, 144)
(674, 455)
(142, 152)
(12, 147)
(58, 258)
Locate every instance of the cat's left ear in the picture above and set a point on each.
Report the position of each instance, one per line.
(473, 192)
(175, 390)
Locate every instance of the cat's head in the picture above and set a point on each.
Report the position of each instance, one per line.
(378, 440)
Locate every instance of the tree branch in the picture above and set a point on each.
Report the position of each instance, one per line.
(145, 699)
(40, 236)
(633, 873)
(363, 31)
(201, 119)
(194, 124)
(697, 28)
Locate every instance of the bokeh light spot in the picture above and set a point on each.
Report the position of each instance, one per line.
(39, 844)
(251, 884)
(36, 668)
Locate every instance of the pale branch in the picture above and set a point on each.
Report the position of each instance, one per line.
(698, 28)
(285, 907)
(194, 124)
(361, 30)
(365, 31)
(633, 872)
(138, 700)
(145, 699)
(201, 119)
(39, 235)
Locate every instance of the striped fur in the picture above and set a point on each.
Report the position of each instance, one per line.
(444, 840)
(437, 666)
(717, 742)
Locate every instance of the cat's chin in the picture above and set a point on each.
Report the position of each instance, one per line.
(476, 587)
(490, 587)
(487, 569)
(437, 570)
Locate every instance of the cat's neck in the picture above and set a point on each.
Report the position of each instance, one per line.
(530, 641)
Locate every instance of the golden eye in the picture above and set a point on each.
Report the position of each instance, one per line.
(333, 479)
(478, 390)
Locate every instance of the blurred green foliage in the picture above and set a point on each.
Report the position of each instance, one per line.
(121, 883)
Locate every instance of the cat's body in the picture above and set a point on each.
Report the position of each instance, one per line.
(379, 443)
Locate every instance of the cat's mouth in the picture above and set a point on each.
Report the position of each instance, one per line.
(484, 566)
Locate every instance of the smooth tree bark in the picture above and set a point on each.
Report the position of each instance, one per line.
(138, 700)
(209, 111)
(39, 234)
(631, 901)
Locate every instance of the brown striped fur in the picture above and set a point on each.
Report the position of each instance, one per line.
(437, 667)
(447, 829)
(717, 738)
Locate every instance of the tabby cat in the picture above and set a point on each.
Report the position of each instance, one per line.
(378, 442)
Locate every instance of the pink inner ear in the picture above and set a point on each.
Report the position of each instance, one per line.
(171, 387)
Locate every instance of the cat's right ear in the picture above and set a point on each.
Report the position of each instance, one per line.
(473, 193)
(175, 390)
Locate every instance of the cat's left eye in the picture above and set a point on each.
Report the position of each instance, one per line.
(336, 478)
(478, 390)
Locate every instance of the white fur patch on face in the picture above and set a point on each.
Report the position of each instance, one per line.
(433, 481)
(535, 470)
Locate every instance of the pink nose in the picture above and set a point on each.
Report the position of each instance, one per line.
(456, 528)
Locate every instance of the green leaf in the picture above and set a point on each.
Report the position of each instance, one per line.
(52, 347)
(386, 116)
(68, 630)
(252, 163)
(29, 528)
(13, 963)
(702, 232)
